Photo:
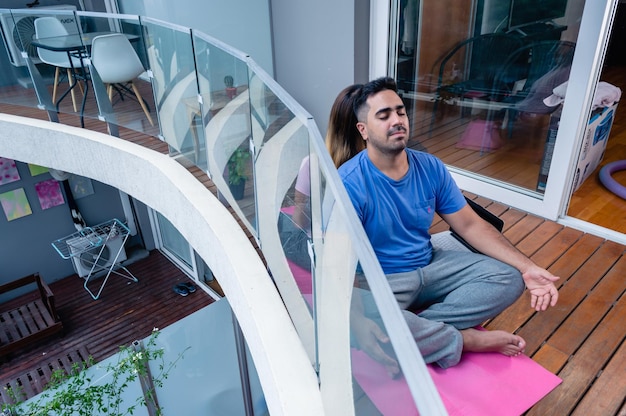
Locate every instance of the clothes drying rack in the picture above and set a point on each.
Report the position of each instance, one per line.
(89, 246)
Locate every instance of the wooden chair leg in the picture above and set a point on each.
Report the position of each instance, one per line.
(110, 92)
(141, 102)
(56, 84)
(72, 81)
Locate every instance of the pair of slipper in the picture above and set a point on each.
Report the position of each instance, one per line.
(184, 288)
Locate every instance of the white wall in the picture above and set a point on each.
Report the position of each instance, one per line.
(243, 24)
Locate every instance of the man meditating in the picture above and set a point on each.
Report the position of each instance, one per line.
(396, 192)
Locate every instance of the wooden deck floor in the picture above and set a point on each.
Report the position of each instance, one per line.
(581, 339)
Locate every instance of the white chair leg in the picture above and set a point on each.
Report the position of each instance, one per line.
(140, 99)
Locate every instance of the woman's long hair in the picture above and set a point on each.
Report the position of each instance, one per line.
(343, 139)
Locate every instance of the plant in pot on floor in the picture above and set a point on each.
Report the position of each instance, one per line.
(238, 172)
(231, 90)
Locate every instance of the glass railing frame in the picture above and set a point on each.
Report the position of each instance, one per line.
(422, 388)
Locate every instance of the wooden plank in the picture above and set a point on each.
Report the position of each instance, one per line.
(544, 233)
(521, 229)
(45, 372)
(32, 318)
(5, 334)
(583, 367)
(551, 358)
(12, 325)
(556, 247)
(19, 320)
(608, 392)
(510, 218)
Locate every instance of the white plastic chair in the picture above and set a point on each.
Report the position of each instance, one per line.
(117, 63)
(48, 27)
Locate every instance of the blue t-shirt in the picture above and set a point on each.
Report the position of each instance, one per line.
(397, 215)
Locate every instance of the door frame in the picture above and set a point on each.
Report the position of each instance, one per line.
(190, 270)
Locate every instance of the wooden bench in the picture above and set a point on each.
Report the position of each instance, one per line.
(30, 322)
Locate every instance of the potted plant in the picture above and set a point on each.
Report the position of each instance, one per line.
(231, 90)
(237, 172)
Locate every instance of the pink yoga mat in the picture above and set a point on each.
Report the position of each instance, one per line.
(482, 384)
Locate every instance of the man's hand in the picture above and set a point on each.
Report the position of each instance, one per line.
(540, 284)
(369, 336)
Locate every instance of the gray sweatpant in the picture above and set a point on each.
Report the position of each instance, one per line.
(457, 290)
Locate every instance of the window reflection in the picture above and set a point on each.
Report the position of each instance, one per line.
(474, 76)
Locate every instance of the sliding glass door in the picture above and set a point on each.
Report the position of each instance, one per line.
(485, 84)
(173, 244)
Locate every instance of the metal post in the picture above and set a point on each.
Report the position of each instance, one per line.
(244, 375)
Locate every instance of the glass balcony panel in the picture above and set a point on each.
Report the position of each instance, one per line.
(20, 34)
(113, 387)
(343, 301)
(352, 296)
(194, 368)
(221, 77)
(121, 92)
(283, 180)
(205, 377)
(227, 129)
(293, 208)
(170, 54)
(266, 109)
(17, 87)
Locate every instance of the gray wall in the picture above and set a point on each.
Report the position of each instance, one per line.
(320, 47)
(26, 242)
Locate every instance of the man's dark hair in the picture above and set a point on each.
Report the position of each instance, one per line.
(367, 90)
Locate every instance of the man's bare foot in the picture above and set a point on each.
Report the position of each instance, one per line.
(503, 342)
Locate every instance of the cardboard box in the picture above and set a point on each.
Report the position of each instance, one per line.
(553, 128)
(592, 151)
(594, 145)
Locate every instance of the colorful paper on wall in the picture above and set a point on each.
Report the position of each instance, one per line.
(80, 186)
(36, 169)
(15, 204)
(49, 193)
(8, 171)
